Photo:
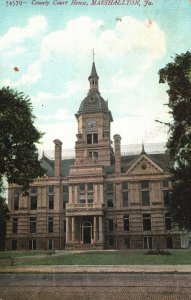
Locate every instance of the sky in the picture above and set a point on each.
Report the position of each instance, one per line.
(46, 52)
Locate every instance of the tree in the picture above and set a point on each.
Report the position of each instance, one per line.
(178, 77)
(18, 152)
(19, 162)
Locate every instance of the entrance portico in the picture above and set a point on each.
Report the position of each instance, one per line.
(83, 231)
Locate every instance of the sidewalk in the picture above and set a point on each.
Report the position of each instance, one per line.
(97, 269)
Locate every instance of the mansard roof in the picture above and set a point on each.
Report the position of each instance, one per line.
(48, 165)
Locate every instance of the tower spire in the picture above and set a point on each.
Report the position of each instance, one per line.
(93, 78)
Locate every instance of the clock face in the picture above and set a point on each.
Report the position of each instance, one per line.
(91, 125)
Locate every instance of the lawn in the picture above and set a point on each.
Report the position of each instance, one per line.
(4, 254)
(182, 257)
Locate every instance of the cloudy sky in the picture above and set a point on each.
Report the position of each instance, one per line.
(52, 48)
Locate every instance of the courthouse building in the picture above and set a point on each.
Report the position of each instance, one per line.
(99, 200)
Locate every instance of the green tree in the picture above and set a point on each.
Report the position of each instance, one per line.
(178, 77)
(19, 162)
(18, 151)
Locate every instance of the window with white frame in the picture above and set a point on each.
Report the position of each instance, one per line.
(32, 244)
(86, 193)
(147, 242)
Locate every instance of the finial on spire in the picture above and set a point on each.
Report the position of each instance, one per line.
(93, 52)
(143, 148)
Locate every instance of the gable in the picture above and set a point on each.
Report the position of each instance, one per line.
(144, 165)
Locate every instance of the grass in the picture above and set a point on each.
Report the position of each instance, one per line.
(182, 257)
(4, 254)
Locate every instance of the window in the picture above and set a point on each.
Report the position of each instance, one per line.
(127, 242)
(51, 201)
(145, 184)
(83, 198)
(147, 242)
(64, 226)
(32, 225)
(125, 193)
(51, 189)
(93, 155)
(110, 224)
(165, 183)
(146, 222)
(86, 193)
(82, 186)
(16, 202)
(15, 225)
(109, 187)
(124, 185)
(110, 241)
(32, 244)
(90, 186)
(168, 224)
(33, 202)
(166, 197)
(14, 244)
(65, 189)
(92, 138)
(145, 198)
(65, 200)
(169, 242)
(126, 223)
(33, 189)
(65, 195)
(50, 224)
(125, 198)
(109, 195)
(90, 197)
(50, 244)
(109, 198)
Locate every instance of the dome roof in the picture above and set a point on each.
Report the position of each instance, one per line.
(93, 102)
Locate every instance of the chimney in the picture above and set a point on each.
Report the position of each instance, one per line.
(58, 158)
(117, 148)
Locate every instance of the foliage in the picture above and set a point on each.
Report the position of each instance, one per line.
(157, 252)
(178, 77)
(18, 152)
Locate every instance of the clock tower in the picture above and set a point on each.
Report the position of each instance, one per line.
(93, 143)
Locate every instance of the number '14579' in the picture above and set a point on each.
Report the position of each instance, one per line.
(14, 3)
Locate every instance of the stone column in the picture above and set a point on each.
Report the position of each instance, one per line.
(73, 229)
(67, 229)
(100, 229)
(95, 229)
